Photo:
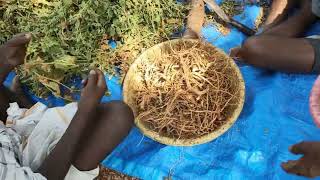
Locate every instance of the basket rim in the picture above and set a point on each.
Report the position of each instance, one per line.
(199, 140)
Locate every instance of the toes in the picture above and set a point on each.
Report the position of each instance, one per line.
(96, 86)
(301, 148)
(101, 80)
(84, 82)
(96, 78)
(235, 53)
(296, 167)
(92, 79)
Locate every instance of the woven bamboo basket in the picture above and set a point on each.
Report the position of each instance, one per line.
(131, 84)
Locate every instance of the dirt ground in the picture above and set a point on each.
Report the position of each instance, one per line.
(108, 174)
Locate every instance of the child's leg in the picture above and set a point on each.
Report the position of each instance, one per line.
(278, 12)
(278, 53)
(278, 49)
(109, 127)
(296, 25)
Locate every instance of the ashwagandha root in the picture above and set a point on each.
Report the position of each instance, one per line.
(187, 92)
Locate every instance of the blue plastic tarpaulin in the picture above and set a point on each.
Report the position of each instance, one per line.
(275, 116)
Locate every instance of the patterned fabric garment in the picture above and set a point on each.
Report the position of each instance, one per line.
(11, 157)
(28, 138)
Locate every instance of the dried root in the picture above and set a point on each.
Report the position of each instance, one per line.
(187, 92)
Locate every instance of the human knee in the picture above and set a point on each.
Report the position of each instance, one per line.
(251, 48)
(252, 44)
(121, 111)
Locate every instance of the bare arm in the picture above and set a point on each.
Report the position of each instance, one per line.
(296, 25)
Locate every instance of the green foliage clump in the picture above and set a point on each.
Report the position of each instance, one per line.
(70, 37)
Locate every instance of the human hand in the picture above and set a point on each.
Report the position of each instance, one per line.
(13, 52)
(309, 164)
(94, 89)
(235, 53)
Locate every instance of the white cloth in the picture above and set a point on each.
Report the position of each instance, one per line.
(11, 157)
(41, 128)
(316, 7)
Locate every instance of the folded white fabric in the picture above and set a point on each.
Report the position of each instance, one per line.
(41, 128)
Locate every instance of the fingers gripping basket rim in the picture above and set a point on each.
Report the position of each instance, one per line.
(129, 82)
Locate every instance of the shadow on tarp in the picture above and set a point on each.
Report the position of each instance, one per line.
(113, 84)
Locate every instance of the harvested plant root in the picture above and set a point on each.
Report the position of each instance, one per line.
(186, 92)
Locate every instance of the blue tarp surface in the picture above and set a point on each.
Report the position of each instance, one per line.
(275, 116)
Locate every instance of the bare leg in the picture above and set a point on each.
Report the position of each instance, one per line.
(279, 12)
(111, 125)
(278, 53)
(278, 48)
(296, 25)
(93, 133)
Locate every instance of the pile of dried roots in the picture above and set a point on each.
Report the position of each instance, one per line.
(187, 92)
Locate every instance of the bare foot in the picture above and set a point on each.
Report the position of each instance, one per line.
(309, 164)
(235, 53)
(19, 94)
(93, 91)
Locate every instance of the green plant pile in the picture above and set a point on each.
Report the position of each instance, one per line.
(70, 37)
(230, 7)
